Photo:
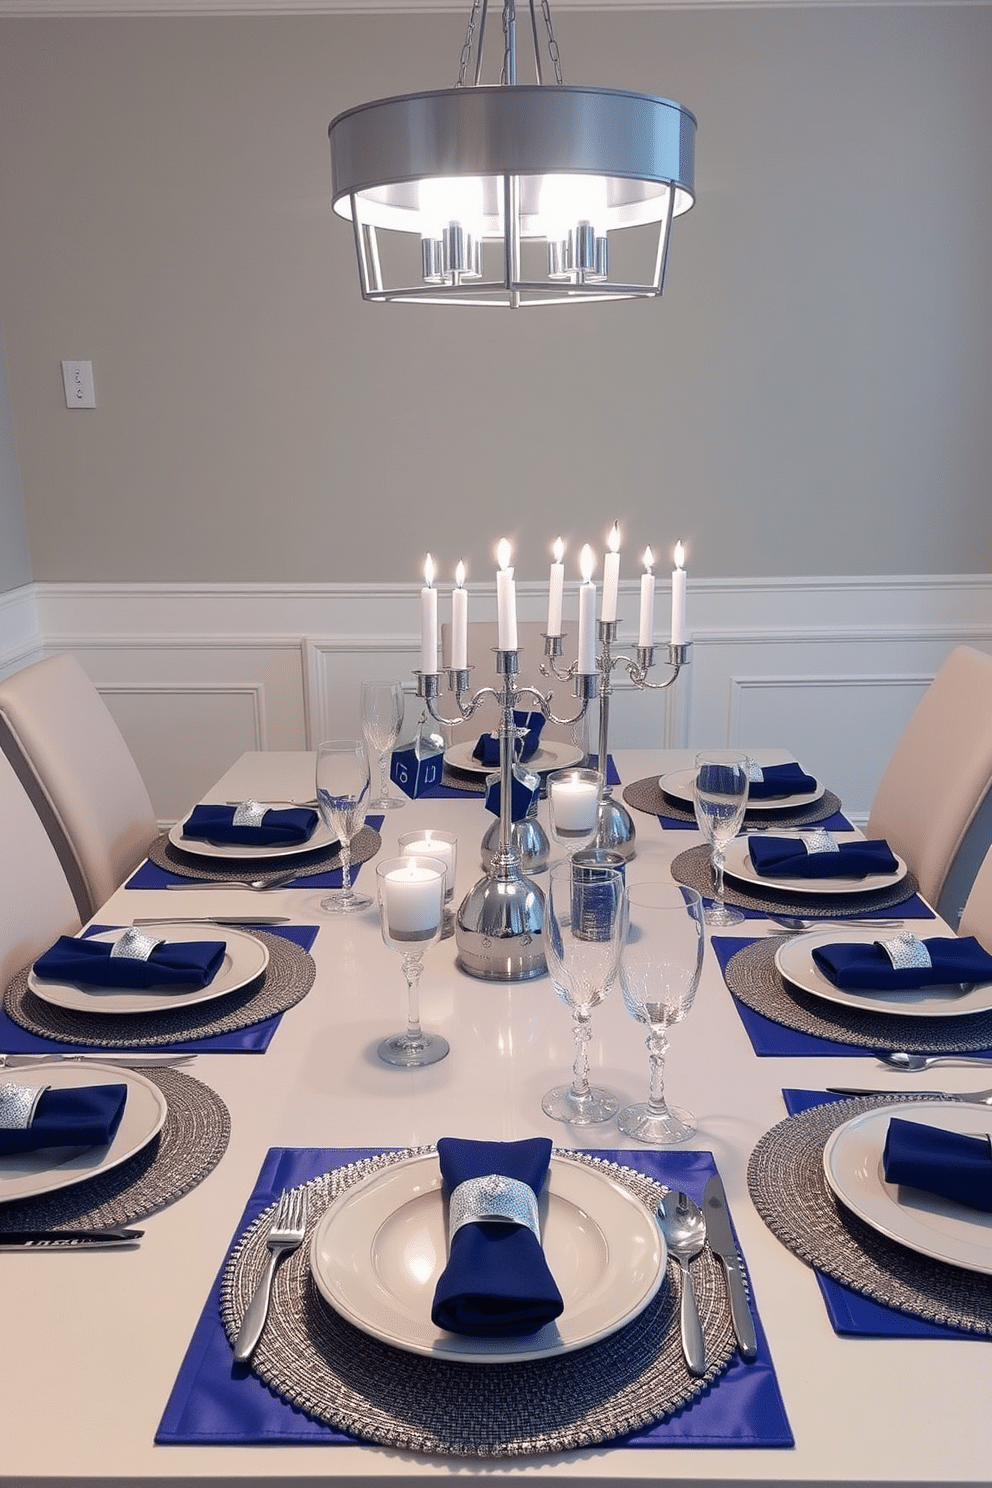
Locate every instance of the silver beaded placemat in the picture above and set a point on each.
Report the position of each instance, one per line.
(647, 795)
(364, 846)
(313, 1358)
(790, 1192)
(286, 980)
(463, 780)
(693, 869)
(191, 1143)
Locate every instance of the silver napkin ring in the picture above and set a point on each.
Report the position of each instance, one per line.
(493, 1197)
(754, 771)
(905, 951)
(134, 945)
(249, 814)
(819, 841)
(18, 1104)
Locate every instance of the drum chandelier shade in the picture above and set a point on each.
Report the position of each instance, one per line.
(512, 194)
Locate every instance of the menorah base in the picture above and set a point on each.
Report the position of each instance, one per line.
(528, 840)
(499, 930)
(616, 832)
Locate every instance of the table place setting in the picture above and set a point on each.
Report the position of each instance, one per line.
(784, 796)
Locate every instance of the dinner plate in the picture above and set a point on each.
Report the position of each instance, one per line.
(550, 755)
(679, 783)
(25, 1175)
(244, 960)
(322, 839)
(738, 865)
(794, 959)
(379, 1250)
(935, 1227)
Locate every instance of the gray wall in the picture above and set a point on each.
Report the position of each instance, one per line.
(811, 396)
(15, 562)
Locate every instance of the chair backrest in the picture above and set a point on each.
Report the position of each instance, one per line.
(482, 639)
(72, 760)
(976, 917)
(940, 770)
(36, 903)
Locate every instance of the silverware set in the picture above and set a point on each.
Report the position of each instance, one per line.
(289, 1226)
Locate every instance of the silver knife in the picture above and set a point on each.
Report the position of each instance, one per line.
(67, 1239)
(125, 1061)
(721, 1239)
(960, 1095)
(235, 920)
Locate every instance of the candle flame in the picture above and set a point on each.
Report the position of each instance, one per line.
(429, 571)
(587, 563)
(648, 560)
(558, 550)
(460, 575)
(503, 553)
(614, 538)
(679, 555)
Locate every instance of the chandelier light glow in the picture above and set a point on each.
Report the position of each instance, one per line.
(512, 194)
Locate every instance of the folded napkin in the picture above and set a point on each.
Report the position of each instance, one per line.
(497, 1283)
(178, 963)
(779, 780)
(278, 828)
(786, 857)
(83, 1116)
(867, 964)
(486, 750)
(951, 1164)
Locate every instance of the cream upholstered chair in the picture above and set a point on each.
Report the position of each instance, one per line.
(72, 760)
(940, 771)
(35, 898)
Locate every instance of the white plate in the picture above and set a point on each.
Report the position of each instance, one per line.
(739, 866)
(935, 1227)
(794, 959)
(680, 782)
(321, 840)
(550, 756)
(379, 1250)
(28, 1174)
(244, 960)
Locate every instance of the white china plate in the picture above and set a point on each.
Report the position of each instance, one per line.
(739, 866)
(379, 1250)
(679, 785)
(794, 959)
(28, 1174)
(551, 755)
(935, 1227)
(322, 839)
(244, 960)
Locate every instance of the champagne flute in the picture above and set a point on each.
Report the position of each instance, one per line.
(342, 778)
(573, 807)
(584, 924)
(719, 797)
(659, 973)
(411, 912)
(382, 719)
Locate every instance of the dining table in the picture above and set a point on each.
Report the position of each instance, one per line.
(117, 1365)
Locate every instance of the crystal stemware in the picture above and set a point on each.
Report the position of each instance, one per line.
(719, 797)
(584, 925)
(659, 973)
(573, 807)
(342, 779)
(382, 719)
(411, 912)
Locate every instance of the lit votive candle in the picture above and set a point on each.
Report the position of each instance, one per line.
(574, 799)
(414, 896)
(428, 845)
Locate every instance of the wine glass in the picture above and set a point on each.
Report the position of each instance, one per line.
(584, 925)
(342, 778)
(382, 719)
(411, 912)
(659, 974)
(719, 796)
(573, 807)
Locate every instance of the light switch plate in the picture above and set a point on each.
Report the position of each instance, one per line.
(77, 379)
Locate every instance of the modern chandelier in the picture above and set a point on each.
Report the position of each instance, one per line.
(512, 194)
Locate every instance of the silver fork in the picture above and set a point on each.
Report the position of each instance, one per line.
(286, 1235)
(260, 884)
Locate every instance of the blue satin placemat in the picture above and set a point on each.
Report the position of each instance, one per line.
(836, 823)
(215, 1401)
(254, 1039)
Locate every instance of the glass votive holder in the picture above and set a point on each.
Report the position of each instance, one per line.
(573, 804)
(429, 842)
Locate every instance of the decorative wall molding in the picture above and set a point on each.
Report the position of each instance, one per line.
(32, 8)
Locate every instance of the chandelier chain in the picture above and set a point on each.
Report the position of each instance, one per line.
(463, 61)
(509, 23)
(553, 50)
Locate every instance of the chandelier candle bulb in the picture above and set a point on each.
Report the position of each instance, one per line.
(556, 589)
(611, 575)
(413, 903)
(506, 599)
(587, 614)
(645, 634)
(679, 635)
(576, 803)
(428, 620)
(459, 621)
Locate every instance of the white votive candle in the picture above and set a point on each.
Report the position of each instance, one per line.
(575, 804)
(428, 620)
(459, 621)
(645, 632)
(413, 903)
(427, 846)
(556, 589)
(506, 599)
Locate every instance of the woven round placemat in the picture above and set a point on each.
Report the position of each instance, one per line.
(463, 780)
(752, 976)
(286, 980)
(162, 853)
(692, 868)
(323, 1365)
(191, 1143)
(647, 795)
(790, 1192)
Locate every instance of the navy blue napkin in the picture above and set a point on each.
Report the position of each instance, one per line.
(289, 828)
(867, 964)
(778, 781)
(486, 750)
(786, 857)
(497, 1283)
(179, 963)
(84, 1116)
(951, 1164)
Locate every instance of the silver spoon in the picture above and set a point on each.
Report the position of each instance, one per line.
(684, 1228)
(899, 1059)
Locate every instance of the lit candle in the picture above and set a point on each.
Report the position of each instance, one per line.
(575, 805)
(679, 636)
(587, 613)
(611, 576)
(645, 635)
(428, 620)
(557, 589)
(414, 896)
(459, 621)
(426, 845)
(506, 599)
